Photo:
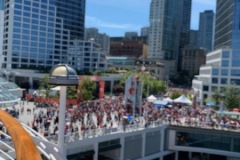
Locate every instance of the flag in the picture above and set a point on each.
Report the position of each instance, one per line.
(130, 89)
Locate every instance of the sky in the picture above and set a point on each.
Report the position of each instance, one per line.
(115, 17)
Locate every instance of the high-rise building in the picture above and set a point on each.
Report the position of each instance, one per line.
(205, 34)
(192, 59)
(1, 30)
(101, 38)
(193, 38)
(144, 31)
(169, 29)
(222, 64)
(227, 24)
(37, 33)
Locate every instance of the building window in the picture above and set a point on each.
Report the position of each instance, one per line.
(235, 72)
(224, 72)
(224, 81)
(235, 63)
(205, 88)
(215, 72)
(215, 80)
(225, 63)
(235, 81)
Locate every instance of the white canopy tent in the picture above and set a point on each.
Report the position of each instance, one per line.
(168, 100)
(151, 98)
(182, 99)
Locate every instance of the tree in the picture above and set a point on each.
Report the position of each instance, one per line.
(86, 88)
(231, 97)
(44, 87)
(217, 96)
(175, 95)
(72, 92)
(157, 87)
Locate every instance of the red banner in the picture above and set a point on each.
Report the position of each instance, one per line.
(101, 89)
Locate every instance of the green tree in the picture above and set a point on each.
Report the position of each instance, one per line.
(72, 92)
(86, 89)
(157, 87)
(175, 95)
(231, 97)
(217, 96)
(44, 87)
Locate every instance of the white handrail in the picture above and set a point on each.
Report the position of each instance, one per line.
(6, 155)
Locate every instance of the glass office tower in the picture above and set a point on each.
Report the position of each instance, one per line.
(227, 30)
(206, 28)
(37, 32)
(169, 28)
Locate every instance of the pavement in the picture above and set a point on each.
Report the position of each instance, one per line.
(25, 116)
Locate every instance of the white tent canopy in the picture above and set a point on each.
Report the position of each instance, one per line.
(151, 98)
(182, 99)
(168, 99)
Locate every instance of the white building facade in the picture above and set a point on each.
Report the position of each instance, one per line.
(222, 64)
(217, 74)
(86, 55)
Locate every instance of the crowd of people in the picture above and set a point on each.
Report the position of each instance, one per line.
(113, 113)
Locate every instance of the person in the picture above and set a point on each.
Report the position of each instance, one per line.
(124, 123)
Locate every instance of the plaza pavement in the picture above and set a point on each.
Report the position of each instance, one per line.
(25, 116)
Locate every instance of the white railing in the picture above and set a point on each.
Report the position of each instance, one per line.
(91, 133)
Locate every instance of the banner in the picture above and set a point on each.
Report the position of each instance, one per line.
(130, 90)
(101, 89)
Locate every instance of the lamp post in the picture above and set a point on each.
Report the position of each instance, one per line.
(62, 75)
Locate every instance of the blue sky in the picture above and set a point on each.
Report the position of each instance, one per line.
(115, 17)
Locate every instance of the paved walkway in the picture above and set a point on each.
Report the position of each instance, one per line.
(25, 116)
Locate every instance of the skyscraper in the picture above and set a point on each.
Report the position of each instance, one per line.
(227, 24)
(103, 39)
(169, 28)
(145, 31)
(193, 38)
(37, 32)
(1, 30)
(205, 33)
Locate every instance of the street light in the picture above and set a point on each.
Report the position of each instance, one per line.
(62, 75)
